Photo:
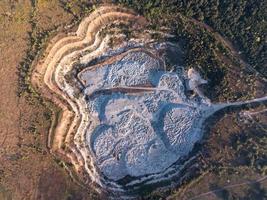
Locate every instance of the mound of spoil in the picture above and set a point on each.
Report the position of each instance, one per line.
(141, 132)
(122, 114)
(126, 122)
(142, 123)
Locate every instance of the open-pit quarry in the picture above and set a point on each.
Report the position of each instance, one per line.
(126, 120)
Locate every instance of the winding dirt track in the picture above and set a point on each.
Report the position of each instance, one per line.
(228, 187)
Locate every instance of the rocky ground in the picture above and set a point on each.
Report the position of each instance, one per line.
(231, 160)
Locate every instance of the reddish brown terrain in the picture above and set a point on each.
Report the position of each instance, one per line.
(27, 170)
(232, 158)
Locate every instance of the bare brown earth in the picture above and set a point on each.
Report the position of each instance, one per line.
(231, 176)
(27, 170)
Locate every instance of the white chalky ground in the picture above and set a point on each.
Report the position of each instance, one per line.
(124, 114)
(145, 131)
